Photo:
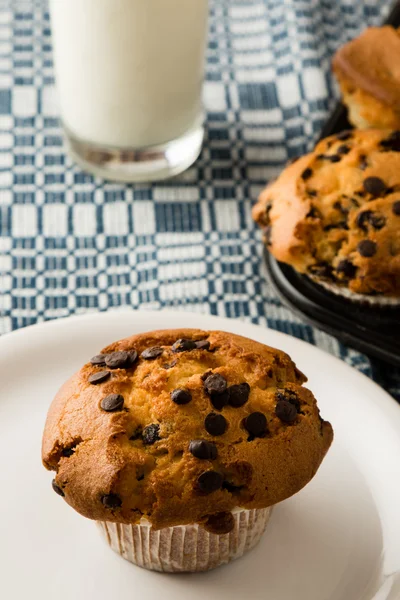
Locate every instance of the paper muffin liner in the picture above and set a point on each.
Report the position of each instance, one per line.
(185, 548)
(343, 292)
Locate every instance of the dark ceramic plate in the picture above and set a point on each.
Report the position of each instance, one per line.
(372, 330)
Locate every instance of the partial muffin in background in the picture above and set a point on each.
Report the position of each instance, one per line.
(368, 71)
(179, 442)
(335, 215)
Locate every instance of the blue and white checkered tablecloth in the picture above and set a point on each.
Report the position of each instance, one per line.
(70, 243)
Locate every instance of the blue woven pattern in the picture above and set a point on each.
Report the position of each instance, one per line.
(70, 243)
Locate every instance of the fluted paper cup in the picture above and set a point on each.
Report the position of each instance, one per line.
(362, 299)
(185, 548)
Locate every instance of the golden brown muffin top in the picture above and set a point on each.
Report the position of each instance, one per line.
(372, 62)
(335, 213)
(177, 426)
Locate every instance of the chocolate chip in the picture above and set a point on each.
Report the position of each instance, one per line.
(306, 174)
(289, 396)
(210, 481)
(57, 488)
(203, 449)
(238, 394)
(363, 162)
(215, 384)
(367, 248)
(392, 143)
(181, 396)
(347, 269)
(256, 424)
(150, 434)
(312, 193)
(220, 524)
(396, 208)
(133, 356)
(344, 135)
(183, 345)
(203, 345)
(343, 149)
(285, 411)
(374, 186)
(215, 424)
(119, 360)
(112, 403)
(111, 501)
(220, 400)
(67, 452)
(152, 353)
(216, 387)
(170, 365)
(99, 360)
(99, 377)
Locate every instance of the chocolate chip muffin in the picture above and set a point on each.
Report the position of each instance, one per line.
(368, 72)
(189, 434)
(335, 215)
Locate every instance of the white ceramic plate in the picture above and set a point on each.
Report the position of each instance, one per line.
(332, 541)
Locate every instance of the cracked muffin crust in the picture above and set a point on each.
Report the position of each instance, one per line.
(334, 214)
(179, 426)
(368, 72)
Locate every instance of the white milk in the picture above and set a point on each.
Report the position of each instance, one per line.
(129, 72)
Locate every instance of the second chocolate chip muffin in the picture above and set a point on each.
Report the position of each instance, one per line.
(183, 427)
(368, 72)
(335, 214)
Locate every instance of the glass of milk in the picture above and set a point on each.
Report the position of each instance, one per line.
(129, 75)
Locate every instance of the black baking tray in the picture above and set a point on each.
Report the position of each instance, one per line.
(370, 329)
